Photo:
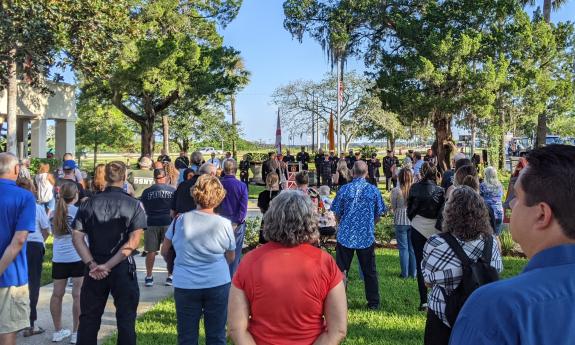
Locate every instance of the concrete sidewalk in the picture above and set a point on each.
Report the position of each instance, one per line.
(148, 298)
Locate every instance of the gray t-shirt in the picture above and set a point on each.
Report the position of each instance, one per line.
(200, 242)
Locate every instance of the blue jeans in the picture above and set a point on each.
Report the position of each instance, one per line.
(240, 232)
(406, 253)
(192, 303)
(498, 226)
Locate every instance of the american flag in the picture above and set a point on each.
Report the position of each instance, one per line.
(279, 135)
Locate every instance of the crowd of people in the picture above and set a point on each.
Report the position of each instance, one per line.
(193, 212)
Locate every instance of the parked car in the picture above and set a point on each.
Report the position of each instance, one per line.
(210, 150)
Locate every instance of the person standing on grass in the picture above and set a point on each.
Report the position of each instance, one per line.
(17, 219)
(492, 191)
(390, 164)
(113, 223)
(77, 173)
(303, 158)
(467, 233)
(66, 263)
(35, 255)
(234, 207)
(265, 197)
(424, 205)
(399, 196)
(205, 244)
(535, 307)
(358, 206)
(288, 291)
(157, 201)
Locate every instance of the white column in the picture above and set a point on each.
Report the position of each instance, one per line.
(39, 138)
(65, 137)
(22, 136)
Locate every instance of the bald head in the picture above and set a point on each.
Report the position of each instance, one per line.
(208, 169)
(360, 169)
(230, 167)
(9, 166)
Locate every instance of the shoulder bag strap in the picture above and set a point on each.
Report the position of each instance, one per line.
(487, 249)
(456, 247)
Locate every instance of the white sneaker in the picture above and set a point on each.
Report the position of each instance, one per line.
(73, 338)
(61, 335)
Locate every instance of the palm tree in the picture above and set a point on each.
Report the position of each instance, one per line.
(237, 69)
(548, 5)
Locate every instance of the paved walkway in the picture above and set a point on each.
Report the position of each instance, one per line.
(148, 297)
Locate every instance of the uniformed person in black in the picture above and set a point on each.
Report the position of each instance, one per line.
(319, 163)
(303, 158)
(113, 221)
(245, 171)
(288, 158)
(373, 166)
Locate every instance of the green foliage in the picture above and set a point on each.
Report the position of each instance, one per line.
(35, 164)
(102, 128)
(256, 157)
(367, 151)
(253, 226)
(172, 51)
(507, 243)
(384, 230)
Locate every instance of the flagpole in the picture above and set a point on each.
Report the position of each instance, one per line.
(339, 96)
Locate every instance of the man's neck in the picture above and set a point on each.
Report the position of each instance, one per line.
(116, 184)
(9, 177)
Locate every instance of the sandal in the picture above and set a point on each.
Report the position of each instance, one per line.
(28, 332)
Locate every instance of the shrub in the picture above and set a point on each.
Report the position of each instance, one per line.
(367, 151)
(252, 231)
(384, 231)
(35, 164)
(507, 243)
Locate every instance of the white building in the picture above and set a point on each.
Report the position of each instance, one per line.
(34, 111)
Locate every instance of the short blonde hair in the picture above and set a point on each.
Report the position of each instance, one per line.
(208, 191)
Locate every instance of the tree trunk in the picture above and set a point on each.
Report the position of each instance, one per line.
(12, 107)
(166, 134)
(547, 11)
(186, 145)
(501, 153)
(443, 137)
(473, 135)
(234, 126)
(391, 142)
(147, 139)
(95, 154)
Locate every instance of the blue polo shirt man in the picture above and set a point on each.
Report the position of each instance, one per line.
(17, 219)
(358, 206)
(537, 306)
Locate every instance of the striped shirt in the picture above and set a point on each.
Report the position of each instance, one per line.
(399, 207)
(442, 269)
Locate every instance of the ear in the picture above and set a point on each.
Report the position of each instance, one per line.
(544, 216)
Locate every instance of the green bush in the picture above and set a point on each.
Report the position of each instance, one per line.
(35, 164)
(367, 151)
(384, 230)
(507, 243)
(251, 237)
(256, 157)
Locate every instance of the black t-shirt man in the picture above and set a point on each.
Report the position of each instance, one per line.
(157, 201)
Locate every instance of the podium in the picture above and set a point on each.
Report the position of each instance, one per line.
(293, 169)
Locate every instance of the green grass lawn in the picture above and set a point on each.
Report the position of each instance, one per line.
(398, 322)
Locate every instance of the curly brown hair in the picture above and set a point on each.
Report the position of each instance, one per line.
(465, 215)
(291, 219)
(208, 192)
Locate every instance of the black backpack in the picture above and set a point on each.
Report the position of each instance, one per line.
(475, 274)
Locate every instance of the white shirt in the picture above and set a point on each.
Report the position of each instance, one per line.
(215, 162)
(63, 250)
(42, 222)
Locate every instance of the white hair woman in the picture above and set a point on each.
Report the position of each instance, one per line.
(491, 190)
(301, 282)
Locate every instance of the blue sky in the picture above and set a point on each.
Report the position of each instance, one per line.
(274, 59)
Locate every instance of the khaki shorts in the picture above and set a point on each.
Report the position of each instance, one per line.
(153, 237)
(14, 309)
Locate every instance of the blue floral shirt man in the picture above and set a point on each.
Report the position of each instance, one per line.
(357, 205)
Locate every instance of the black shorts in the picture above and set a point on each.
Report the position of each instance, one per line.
(65, 270)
